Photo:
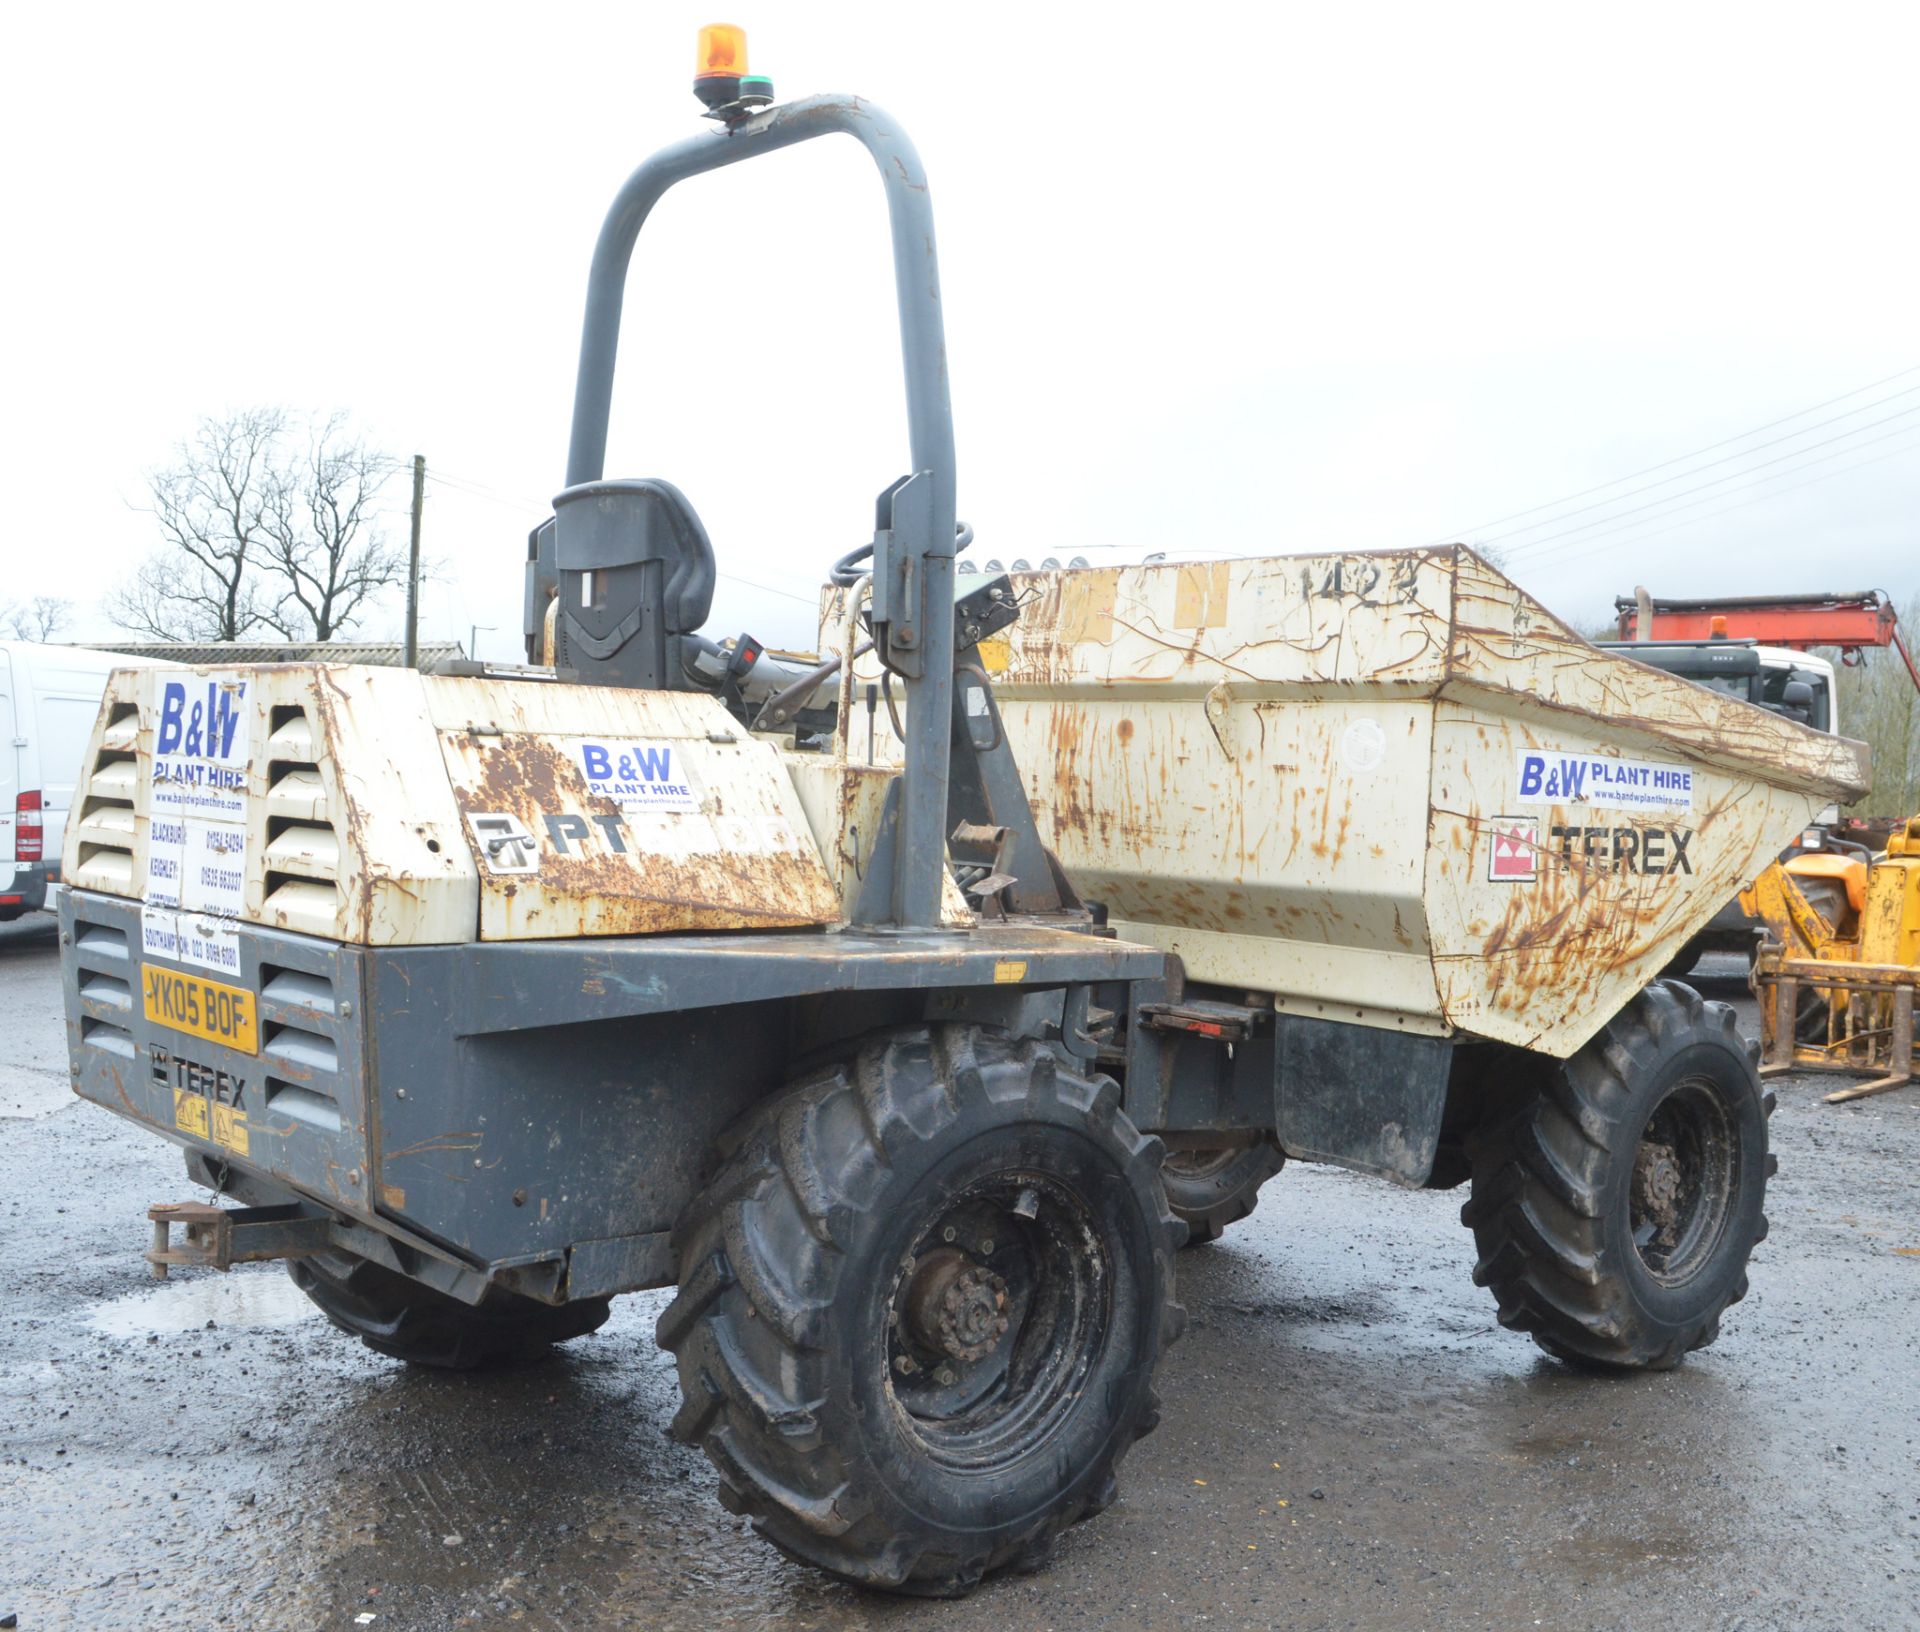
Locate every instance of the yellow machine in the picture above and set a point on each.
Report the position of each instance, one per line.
(1837, 974)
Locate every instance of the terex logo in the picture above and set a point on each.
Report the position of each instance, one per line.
(206, 729)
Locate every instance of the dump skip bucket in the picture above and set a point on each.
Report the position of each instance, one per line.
(1392, 788)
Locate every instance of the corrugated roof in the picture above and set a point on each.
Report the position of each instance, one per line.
(382, 654)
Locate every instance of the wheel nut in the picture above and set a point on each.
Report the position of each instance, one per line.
(944, 1376)
(903, 1363)
(949, 1234)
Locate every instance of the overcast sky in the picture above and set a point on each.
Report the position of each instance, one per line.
(1221, 279)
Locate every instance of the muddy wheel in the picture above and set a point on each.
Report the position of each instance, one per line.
(920, 1308)
(1616, 1207)
(407, 1321)
(1210, 1189)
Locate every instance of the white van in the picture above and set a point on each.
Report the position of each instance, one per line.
(49, 697)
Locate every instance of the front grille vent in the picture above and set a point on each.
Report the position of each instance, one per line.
(103, 966)
(299, 1048)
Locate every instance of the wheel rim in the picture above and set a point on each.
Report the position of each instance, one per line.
(1685, 1173)
(998, 1313)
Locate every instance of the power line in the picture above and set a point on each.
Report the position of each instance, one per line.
(1720, 481)
(480, 490)
(1759, 498)
(1683, 458)
(1759, 447)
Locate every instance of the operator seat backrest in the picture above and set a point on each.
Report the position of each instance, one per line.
(635, 572)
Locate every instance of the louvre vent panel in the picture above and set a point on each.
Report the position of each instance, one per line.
(305, 850)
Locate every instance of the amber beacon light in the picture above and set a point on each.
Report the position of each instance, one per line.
(720, 77)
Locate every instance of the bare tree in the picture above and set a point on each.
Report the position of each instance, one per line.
(269, 521)
(326, 550)
(1878, 704)
(212, 505)
(41, 618)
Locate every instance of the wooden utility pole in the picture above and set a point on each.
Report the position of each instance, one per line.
(413, 562)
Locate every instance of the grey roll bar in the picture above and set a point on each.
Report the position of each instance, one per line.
(914, 550)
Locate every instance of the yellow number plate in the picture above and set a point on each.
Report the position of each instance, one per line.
(200, 1007)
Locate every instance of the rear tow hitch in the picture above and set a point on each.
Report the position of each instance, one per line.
(220, 1237)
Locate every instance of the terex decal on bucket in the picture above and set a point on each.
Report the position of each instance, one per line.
(1515, 852)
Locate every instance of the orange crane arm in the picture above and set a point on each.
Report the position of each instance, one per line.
(1849, 621)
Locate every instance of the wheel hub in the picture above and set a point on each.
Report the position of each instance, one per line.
(1657, 1184)
(956, 1307)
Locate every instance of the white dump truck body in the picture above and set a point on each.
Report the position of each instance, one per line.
(382, 807)
(1391, 788)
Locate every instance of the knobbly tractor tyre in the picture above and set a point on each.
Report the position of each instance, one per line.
(407, 1321)
(920, 1308)
(1209, 1189)
(1685, 961)
(1615, 1208)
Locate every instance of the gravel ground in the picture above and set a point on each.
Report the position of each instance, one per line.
(1349, 1440)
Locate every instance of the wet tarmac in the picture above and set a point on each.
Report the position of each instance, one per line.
(1349, 1440)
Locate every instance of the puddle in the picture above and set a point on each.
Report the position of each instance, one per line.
(243, 1301)
(30, 1092)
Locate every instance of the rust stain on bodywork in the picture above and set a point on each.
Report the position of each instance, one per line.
(1287, 771)
(601, 872)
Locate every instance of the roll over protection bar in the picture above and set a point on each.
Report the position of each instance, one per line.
(913, 556)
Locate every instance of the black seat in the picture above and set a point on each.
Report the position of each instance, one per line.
(636, 571)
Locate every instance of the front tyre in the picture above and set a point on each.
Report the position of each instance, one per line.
(1616, 1207)
(920, 1308)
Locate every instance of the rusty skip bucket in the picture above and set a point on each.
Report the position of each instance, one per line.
(1392, 788)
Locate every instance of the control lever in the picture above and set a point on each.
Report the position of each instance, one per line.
(784, 704)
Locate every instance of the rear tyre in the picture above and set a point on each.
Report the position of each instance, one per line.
(1615, 1208)
(920, 1308)
(406, 1321)
(1685, 961)
(1209, 1189)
